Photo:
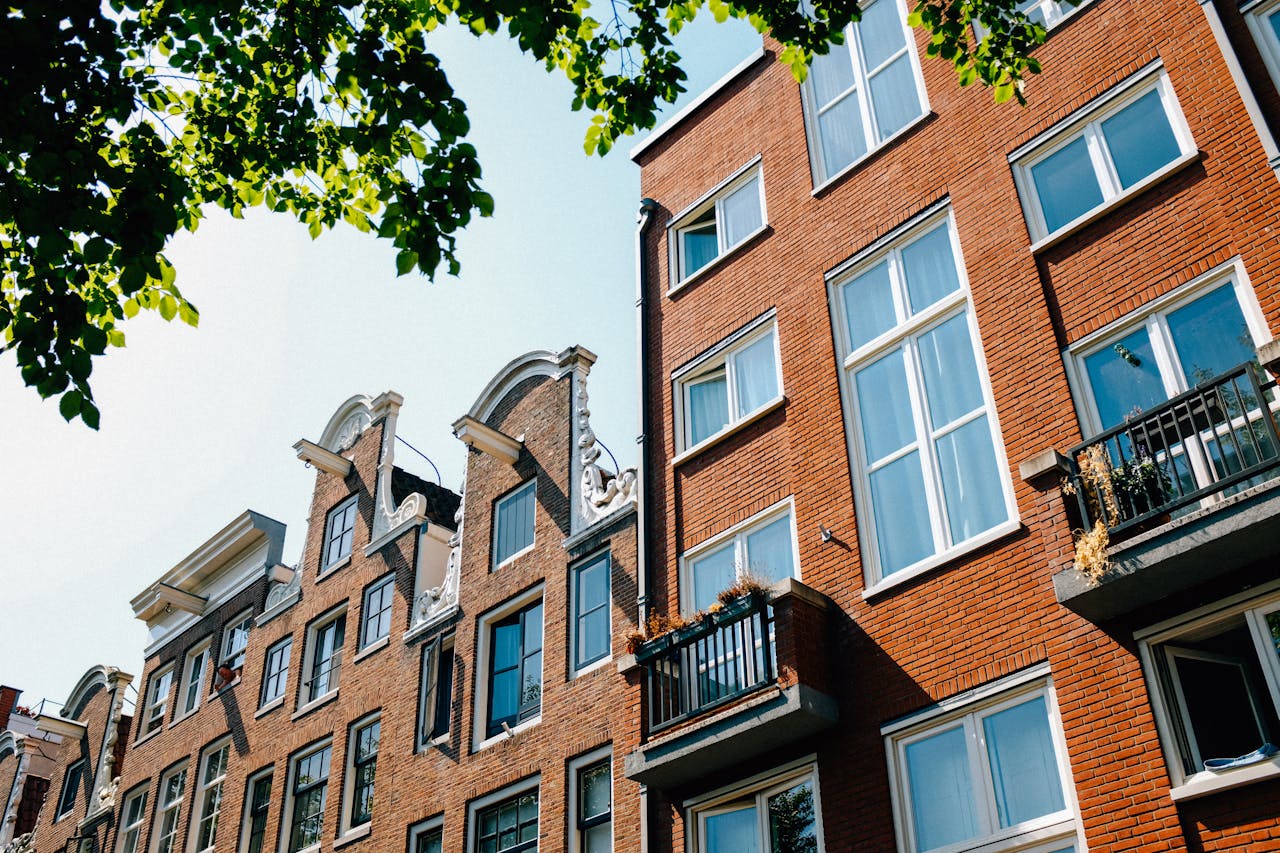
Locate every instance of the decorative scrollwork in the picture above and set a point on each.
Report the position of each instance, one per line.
(438, 600)
(281, 592)
(601, 494)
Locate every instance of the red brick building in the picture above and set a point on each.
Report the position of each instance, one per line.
(899, 343)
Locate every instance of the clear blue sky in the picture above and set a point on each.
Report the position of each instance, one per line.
(198, 425)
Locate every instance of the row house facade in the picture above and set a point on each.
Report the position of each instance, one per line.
(983, 399)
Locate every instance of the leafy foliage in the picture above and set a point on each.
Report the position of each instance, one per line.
(122, 124)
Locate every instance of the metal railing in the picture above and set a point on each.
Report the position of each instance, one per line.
(325, 680)
(710, 663)
(1217, 439)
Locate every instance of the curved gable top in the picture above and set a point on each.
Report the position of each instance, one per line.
(352, 418)
(90, 683)
(10, 744)
(535, 363)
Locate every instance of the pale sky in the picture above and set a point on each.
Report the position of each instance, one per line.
(198, 424)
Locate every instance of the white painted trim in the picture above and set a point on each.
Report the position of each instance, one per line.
(728, 432)
(753, 169)
(531, 783)
(1207, 782)
(345, 830)
(498, 502)
(325, 460)
(484, 663)
(242, 842)
(757, 788)
(208, 667)
(425, 826)
(904, 576)
(975, 696)
(198, 789)
(158, 810)
(573, 796)
(785, 507)
(286, 802)
(607, 554)
(486, 439)
(310, 633)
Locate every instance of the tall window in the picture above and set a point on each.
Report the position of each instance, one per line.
(1264, 21)
(158, 699)
(729, 216)
(593, 806)
(310, 786)
(72, 782)
(325, 653)
(427, 837)
(213, 773)
(235, 638)
(275, 672)
(375, 620)
(508, 826)
(193, 678)
(515, 669)
(863, 92)
(339, 530)
(762, 547)
(362, 758)
(131, 819)
(778, 815)
(931, 474)
(435, 700)
(734, 381)
(257, 804)
(169, 811)
(591, 610)
(513, 518)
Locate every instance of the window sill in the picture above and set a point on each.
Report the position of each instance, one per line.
(329, 570)
(269, 707)
(354, 834)
(1207, 782)
(1081, 222)
(367, 651)
(507, 735)
(315, 703)
(517, 555)
(731, 430)
(937, 560)
(827, 183)
(148, 735)
(177, 720)
(712, 265)
(592, 667)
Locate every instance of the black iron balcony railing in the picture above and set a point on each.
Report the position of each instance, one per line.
(1217, 439)
(721, 657)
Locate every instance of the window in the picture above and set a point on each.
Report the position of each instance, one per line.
(591, 809)
(235, 637)
(515, 669)
(513, 517)
(592, 610)
(435, 699)
(72, 782)
(1215, 682)
(339, 531)
(193, 678)
(157, 699)
(728, 385)
(779, 814)
(170, 810)
(213, 772)
(275, 673)
(1264, 21)
(427, 837)
(1046, 13)
(729, 216)
(257, 804)
(131, 818)
(931, 477)
(324, 653)
(1119, 146)
(762, 547)
(991, 775)
(375, 621)
(863, 92)
(309, 786)
(362, 765)
(509, 825)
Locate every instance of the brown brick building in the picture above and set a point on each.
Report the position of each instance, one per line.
(899, 343)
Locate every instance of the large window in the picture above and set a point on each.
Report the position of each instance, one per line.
(169, 810)
(131, 819)
(1121, 144)
(362, 766)
(723, 220)
(931, 476)
(513, 520)
(591, 807)
(777, 814)
(257, 805)
(590, 630)
(308, 790)
(235, 639)
(375, 620)
(991, 775)
(737, 379)
(515, 669)
(1264, 21)
(762, 548)
(324, 656)
(340, 528)
(435, 698)
(509, 825)
(863, 92)
(157, 699)
(72, 782)
(275, 671)
(193, 673)
(213, 773)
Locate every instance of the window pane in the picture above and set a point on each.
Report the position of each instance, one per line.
(831, 74)
(1140, 139)
(1220, 703)
(1125, 378)
(708, 408)
(1066, 184)
(950, 371)
(769, 551)
(868, 305)
(741, 212)
(941, 789)
(430, 842)
(970, 480)
(893, 93)
(902, 515)
(1211, 336)
(1024, 766)
(598, 839)
(842, 135)
(884, 407)
(792, 827)
(593, 636)
(930, 269)
(733, 832)
(699, 247)
(515, 519)
(711, 574)
(880, 33)
(506, 645)
(596, 796)
(756, 375)
(593, 585)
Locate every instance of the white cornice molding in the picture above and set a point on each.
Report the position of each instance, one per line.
(61, 727)
(486, 439)
(325, 460)
(161, 598)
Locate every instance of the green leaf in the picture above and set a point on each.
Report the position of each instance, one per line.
(69, 405)
(406, 261)
(96, 250)
(89, 414)
(168, 307)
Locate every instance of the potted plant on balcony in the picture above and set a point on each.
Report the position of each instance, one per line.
(1140, 486)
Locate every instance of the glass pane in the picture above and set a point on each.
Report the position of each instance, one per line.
(831, 74)
(698, 247)
(930, 269)
(1140, 139)
(598, 839)
(506, 645)
(1066, 184)
(708, 408)
(593, 636)
(880, 32)
(741, 213)
(1221, 704)
(769, 551)
(711, 574)
(1024, 766)
(593, 585)
(733, 832)
(898, 501)
(1125, 379)
(842, 135)
(941, 790)
(596, 784)
(756, 375)
(868, 305)
(430, 842)
(884, 407)
(970, 480)
(893, 94)
(1211, 336)
(792, 827)
(533, 628)
(950, 371)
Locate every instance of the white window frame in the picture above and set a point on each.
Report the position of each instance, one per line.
(713, 202)
(1056, 828)
(246, 822)
(286, 813)
(1086, 123)
(758, 788)
(231, 651)
(809, 103)
(306, 700)
(511, 791)
(429, 685)
(202, 787)
(1055, 13)
(328, 564)
(423, 827)
(720, 360)
(528, 485)
(164, 807)
(346, 827)
(1255, 15)
(157, 706)
(484, 656)
(81, 767)
(381, 583)
(129, 838)
(191, 678)
(576, 667)
(282, 674)
(958, 303)
(576, 766)
(1156, 640)
(737, 534)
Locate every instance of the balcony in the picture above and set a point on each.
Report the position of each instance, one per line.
(743, 681)
(1186, 492)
